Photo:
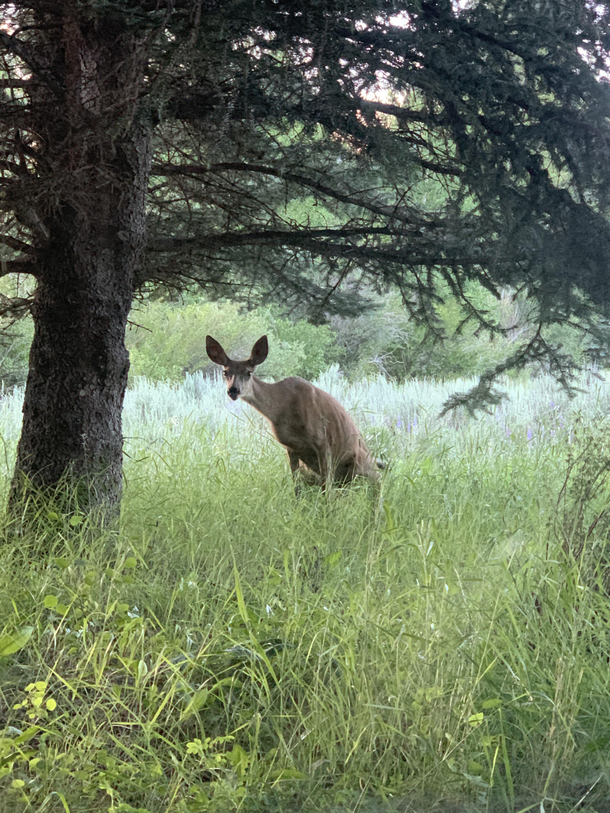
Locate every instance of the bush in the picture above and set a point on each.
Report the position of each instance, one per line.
(15, 338)
(387, 340)
(166, 340)
(170, 340)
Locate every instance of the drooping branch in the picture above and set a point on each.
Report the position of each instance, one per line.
(16, 244)
(9, 84)
(537, 349)
(14, 308)
(303, 238)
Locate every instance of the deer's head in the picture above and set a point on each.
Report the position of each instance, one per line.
(237, 374)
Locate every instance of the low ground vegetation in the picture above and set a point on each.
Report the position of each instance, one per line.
(444, 640)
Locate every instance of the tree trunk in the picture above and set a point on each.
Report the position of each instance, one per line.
(71, 435)
(87, 203)
(77, 378)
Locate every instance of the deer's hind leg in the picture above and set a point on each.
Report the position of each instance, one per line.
(326, 469)
(302, 472)
(294, 460)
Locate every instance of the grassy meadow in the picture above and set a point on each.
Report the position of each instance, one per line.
(439, 643)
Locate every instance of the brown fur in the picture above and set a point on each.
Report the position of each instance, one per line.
(312, 425)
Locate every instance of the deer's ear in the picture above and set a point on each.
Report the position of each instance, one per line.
(215, 351)
(259, 351)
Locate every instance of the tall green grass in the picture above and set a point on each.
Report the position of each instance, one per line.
(442, 640)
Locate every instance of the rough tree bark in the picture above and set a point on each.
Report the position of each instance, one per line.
(92, 233)
(78, 360)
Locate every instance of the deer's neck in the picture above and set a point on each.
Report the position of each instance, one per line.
(263, 397)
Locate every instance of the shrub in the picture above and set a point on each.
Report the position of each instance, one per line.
(169, 340)
(387, 340)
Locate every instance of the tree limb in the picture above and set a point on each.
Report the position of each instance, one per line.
(404, 214)
(15, 46)
(18, 267)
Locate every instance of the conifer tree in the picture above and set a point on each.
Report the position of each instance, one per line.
(275, 148)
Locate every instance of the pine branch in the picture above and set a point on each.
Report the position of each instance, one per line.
(403, 213)
(484, 394)
(15, 46)
(18, 267)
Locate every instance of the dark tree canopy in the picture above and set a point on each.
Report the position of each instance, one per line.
(275, 148)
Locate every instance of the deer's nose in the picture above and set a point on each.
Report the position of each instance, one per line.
(233, 393)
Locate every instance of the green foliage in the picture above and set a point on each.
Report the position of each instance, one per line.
(387, 340)
(15, 336)
(166, 340)
(171, 340)
(236, 649)
(14, 353)
(10, 644)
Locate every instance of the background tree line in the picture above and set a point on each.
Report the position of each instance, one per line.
(166, 340)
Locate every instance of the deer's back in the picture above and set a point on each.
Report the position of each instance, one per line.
(312, 423)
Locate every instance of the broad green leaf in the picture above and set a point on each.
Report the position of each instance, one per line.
(239, 759)
(197, 702)
(9, 644)
(27, 735)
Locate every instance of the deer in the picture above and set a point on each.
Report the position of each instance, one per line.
(313, 427)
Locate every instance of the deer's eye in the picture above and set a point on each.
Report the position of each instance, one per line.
(249, 374)
(226, 373)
